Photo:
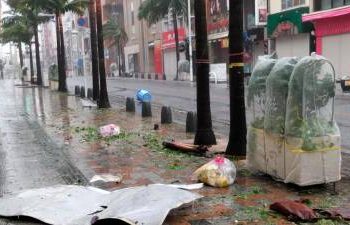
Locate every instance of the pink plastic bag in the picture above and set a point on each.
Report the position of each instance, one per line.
(109, 130)
(219, 172)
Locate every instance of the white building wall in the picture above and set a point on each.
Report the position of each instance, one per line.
(293, 45)
(276, 5)
(336, 48)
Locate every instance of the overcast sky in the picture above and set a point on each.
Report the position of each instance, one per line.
(4, 6)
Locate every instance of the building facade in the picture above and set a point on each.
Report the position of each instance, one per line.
(287, 33)
(299, 27)
(331, 21)
(254, 22)
(113, 10)
(135, 50)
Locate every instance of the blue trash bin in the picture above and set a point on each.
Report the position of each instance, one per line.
(143, 95)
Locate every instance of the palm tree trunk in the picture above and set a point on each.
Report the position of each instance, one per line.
(238, 128)
(20, 52)
(176, 32)
(58, 41)
(94, 53)
(122, 57)
(31, 64)
(204, 134)
(39, 78)
(62, 86)
(103, 101)
(119, 58)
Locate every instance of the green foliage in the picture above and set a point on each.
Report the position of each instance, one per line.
(252, 213)
(53, 72)
(92, 134)
(63, 6)
(328, 202)
(257, 82)
(15, 28)
(331, 222)
(155, 10)
(311, 89)
(155, 143)
(254, 190)
(257, 88)
(114, 30)
(277, 93)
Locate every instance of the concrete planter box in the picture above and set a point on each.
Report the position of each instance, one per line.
(53, 85)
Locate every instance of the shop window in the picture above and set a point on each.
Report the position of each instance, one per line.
(292, 3)
(326, 4)
(329, 4)
(338, 3)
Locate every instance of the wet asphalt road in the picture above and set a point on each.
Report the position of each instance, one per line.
(181, 97)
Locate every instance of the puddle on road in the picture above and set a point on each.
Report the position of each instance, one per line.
(139, 157)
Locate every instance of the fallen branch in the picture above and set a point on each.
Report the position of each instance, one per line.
(185, 147)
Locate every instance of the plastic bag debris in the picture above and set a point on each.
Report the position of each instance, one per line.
(219, 172)
(88, 103)
(294, 210)
(109, 130)
(106, 178)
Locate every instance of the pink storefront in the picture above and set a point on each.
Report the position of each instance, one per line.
(332, 31)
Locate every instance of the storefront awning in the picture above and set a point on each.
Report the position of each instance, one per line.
(293, 16)
(342, 11)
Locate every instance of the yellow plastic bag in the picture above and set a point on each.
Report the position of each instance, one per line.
(219, 172)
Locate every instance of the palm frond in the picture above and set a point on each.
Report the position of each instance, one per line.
(154, 10)
(76, 6)
(113, 30)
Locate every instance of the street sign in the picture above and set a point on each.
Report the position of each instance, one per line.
(81, 21)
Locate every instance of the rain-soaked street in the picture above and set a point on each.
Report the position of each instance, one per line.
(48, 138)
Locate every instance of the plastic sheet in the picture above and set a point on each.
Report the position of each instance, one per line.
(77, 205)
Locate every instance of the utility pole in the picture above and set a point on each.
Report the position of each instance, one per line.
(190, 38)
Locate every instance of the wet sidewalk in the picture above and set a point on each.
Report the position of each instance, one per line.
(48, 138)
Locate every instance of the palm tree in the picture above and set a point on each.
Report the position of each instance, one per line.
(31, 63)
(94, 53)
(112, 29)
(238, 128)
(204, 134)
(60, 7)
(30, 10)
(155, 10)
(16, 29)
(103, 101)
(13, 33)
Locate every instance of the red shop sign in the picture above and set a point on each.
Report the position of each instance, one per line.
(223, 23)
(169, 37)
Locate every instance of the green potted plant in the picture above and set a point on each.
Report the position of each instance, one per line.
(53, 77)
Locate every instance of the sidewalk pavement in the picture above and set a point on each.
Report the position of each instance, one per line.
(48, 138)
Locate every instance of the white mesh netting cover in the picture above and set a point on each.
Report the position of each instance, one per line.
(300, 140)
